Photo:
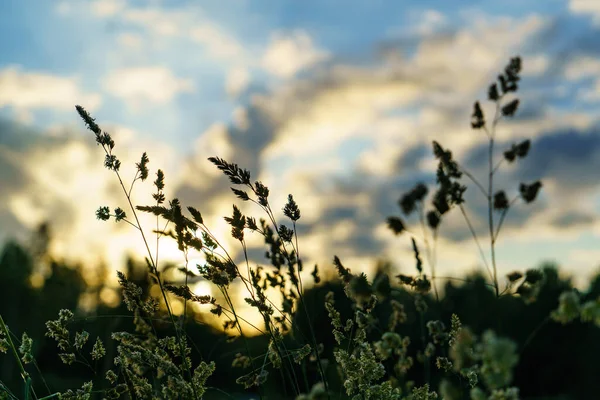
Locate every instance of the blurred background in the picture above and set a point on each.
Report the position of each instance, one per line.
(335, 102)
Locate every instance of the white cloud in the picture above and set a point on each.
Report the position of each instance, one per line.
(237, 81)
(65, 182)
(312, 119)
(240, 118)
(130, 40)
(159, 25)
(216, 41)
(198, 173)
(591, 7)
(215, 140)
(316, 118)
(156, 20)
(485, 45)
(535, 65)
(583, 67)
(431, 21)
(27, 90)
(289, 54)
(353, 107)
(107, 8)
(156, 84)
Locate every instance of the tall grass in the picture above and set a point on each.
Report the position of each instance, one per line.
(372, 360)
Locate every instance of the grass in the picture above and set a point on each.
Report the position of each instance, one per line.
(372, 360)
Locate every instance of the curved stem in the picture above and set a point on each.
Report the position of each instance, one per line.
(504, 212)
(475, 181)
(155, 270)
(428, 250)
(476, 240)
(24, 373)
(535, 332)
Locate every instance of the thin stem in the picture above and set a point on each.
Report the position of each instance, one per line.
(245, 320)
(435, 235)
(133, 182)
(220, 391)
(354, 323)
(266, 317)
(504, 212)
(228, 300)
(7, 391)
(298, 284)
(535, 331)
(475, 181)
(130, 223)
(35, 364)
(37, 367)
(497, 117)
(155, 268)
(297, 248)
(247, 264)
(428, 249)
(498, 165)
(186, 285)
(491, 215)
(244, 280)
(24, 373)
(476, 240)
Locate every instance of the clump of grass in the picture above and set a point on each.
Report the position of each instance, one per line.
(451, 191)
(372, 360)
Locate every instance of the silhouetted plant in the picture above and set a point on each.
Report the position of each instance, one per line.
(373, 358)
(450, 192)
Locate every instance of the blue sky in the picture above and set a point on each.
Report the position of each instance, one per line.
(336, 102)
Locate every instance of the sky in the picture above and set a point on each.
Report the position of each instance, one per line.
(336, 102)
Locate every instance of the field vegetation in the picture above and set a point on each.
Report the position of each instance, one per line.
(418, 336)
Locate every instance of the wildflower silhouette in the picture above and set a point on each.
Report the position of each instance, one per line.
(373, 359)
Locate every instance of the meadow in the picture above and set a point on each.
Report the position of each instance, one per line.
(526, 335)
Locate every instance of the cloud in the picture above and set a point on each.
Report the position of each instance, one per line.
(33, 90)
(585, 69)
(556, 156)
(237, 81)
(240, 118)
(338, 106)
(536, 65)
(287, 54)
(586, 7)
(562, 154)
(156, 84)
(347, 141)
(582, 67)
(130, 40)
(486, 44)
(60, 179)
(107, 8)
(159, 21)
(217, 43)
(430, 21)
(573, 218)
(162, 25)
(201, 182)
(410, 160)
